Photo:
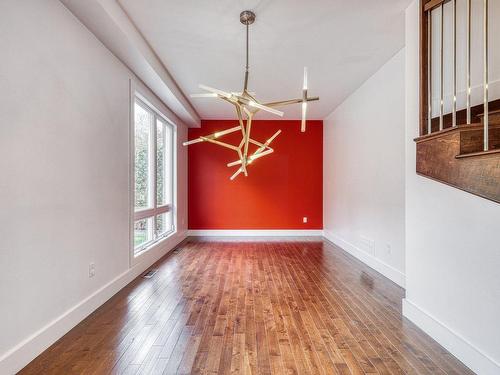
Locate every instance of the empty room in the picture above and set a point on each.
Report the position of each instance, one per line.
(250, 187)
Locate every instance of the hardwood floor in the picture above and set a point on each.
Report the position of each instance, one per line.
(251, 308)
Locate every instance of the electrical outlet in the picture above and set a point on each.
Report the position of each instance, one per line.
(368, 244)
(91, 270)
(304, 219)
(388, 249)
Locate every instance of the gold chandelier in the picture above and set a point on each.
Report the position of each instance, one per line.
(246, 105)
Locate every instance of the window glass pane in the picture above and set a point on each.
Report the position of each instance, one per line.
(143, 121)
(143, 232)
(163, 223)
(169, 164)
(160, 163)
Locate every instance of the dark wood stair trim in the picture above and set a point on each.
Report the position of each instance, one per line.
(431, 4)
(490, 113)
(439, 133)
(463, 127)
(480, 153)
(433, 135)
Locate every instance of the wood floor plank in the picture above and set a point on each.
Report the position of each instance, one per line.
(251, 308)
(337, 296)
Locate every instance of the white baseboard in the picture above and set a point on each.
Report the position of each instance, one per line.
(23, 353)
(256, 233)
(388, 271)
(468, 354)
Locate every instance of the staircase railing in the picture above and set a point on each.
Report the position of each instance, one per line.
(437, 7)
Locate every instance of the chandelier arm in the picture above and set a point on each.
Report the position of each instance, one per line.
(227, 131)
(254, 156)
(197, 140)
(220, 93)
(262, 146)
(250, 96)
(236, 174)
(248, 130)
(233, 163)
(231, 100)
(283, 103)
(257, 143)
(303, 120)
(268, 142)
(261, 154)
(212, 136)
(240, 120)
(243, 165)
(290, 101)
(258, 106)
(243, 132)
(219, 143)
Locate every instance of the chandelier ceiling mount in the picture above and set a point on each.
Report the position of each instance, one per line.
(247, 17)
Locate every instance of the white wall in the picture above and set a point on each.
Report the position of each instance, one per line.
(64, 185)
(452, 250)
(363, 171)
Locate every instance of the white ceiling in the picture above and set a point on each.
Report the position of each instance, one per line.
(342, 42)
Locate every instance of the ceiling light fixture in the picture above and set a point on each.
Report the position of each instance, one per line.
(246, 107)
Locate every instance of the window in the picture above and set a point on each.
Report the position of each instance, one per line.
(153, 177)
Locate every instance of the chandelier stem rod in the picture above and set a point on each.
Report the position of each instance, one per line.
(246, 66)
(247, 48)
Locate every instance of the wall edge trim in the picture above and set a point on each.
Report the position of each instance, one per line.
(255, 232)
(386, 270)
(461, 348)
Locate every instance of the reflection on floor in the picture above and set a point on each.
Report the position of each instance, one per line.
(248, 308)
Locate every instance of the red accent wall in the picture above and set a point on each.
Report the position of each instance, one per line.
(281, 188)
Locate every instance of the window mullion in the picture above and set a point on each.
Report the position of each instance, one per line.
(172, 166)
(153, 160)
(169, 170)
(154, 171)
(164, 166)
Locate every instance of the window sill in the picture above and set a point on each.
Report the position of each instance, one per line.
(153, 245)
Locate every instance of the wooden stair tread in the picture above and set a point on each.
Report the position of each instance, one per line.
(439, 133)
(495, 112)
(480, 153)
(477, 125)
(434, 134)
(460, 127)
